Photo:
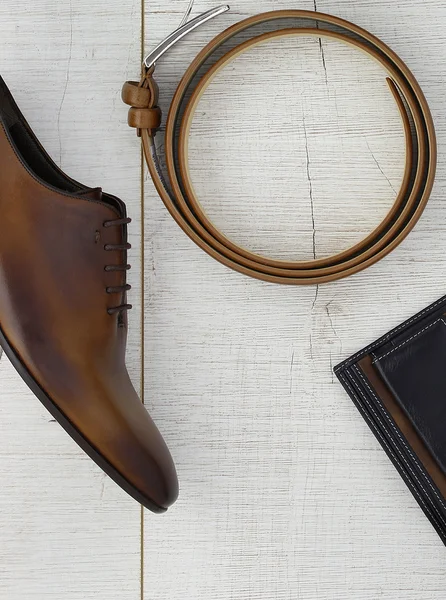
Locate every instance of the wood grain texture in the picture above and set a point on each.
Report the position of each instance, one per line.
(66, 530)
(285, 493)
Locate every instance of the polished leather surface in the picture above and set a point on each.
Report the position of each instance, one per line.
(54, 307)
(398, 384)
(176, 189)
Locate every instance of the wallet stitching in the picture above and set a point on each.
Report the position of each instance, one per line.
(403, 458)
(415, 458)
(405, 475)
(409, 340)
(389, 335)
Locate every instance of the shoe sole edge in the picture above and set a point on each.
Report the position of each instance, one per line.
(73, 431)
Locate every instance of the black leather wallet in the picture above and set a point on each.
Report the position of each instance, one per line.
(398, 383)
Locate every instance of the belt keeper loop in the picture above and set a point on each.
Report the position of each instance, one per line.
(144, 118)
(142, 97)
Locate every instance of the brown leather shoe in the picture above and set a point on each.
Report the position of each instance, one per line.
(63, 311)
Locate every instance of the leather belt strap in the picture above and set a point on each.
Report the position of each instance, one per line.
(177, 191)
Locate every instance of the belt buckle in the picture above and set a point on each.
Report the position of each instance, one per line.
(185, 27)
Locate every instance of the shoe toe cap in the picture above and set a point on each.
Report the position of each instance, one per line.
(146, 463)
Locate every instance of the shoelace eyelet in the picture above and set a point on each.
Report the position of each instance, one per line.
(120, 289)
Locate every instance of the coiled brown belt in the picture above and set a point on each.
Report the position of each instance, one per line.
(177, 192)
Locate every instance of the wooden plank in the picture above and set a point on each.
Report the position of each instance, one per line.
(284, 491)
(66, 530)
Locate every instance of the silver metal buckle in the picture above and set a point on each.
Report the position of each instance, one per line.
(185, 27)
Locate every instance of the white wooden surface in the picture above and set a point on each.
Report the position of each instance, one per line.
(284, 491)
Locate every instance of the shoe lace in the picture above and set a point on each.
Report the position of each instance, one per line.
(118, 289)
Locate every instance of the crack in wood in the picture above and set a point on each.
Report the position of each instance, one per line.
(379, 166)
(310, 186)
(321, 47)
